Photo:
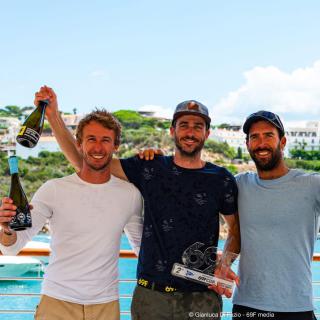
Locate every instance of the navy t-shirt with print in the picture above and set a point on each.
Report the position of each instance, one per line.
(181, 208)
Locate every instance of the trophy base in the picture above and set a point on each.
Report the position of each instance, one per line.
(180, 270)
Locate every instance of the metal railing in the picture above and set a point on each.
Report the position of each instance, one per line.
(123, 254)
(46, 252)
(37, 295)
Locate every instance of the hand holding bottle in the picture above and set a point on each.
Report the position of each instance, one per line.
(31, 128)
(22, 218)
(46, 93)
(7, 212)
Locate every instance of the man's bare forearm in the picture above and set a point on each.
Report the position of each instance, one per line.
(232, 244)
(233, 241)
(66, 140)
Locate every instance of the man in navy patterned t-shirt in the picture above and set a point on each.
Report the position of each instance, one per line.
(183, 197)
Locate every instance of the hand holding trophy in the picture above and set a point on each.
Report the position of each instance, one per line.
(225, 276)
(217, 274)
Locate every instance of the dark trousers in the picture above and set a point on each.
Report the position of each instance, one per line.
(245, 313)
(148, 304)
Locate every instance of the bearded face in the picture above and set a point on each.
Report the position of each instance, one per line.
(265, 146)
(266, 158)
(188, 145)
(189, 135)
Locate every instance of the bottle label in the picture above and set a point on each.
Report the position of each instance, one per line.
(22, 130)
(21, 220)
(13, 165)
(30, 135)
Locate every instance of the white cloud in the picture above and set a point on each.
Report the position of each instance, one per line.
(97, 74)
(294, 96)
(161, 112)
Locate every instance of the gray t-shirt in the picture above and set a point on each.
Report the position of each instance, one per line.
(279, 223)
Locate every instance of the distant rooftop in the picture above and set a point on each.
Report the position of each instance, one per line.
(147, 113)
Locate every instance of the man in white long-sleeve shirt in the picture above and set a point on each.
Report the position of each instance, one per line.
(87, 212)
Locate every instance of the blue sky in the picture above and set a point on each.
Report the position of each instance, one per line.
(234, 56)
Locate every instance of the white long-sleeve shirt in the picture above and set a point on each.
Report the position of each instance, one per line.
(86, 222)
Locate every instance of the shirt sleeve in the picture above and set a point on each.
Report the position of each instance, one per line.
(229, 195)
(315, 182)
(40, 213)
(133, 229)
(133, 168)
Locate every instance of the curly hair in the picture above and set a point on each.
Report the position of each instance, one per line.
(103, 117)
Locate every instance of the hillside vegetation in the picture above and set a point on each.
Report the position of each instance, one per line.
(138, 132)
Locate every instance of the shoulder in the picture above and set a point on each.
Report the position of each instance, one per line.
(219, 170)
(304, 174)
(307, 180)
(64, 180)
(135, 162)
(53, 184)
(301, 175)
(125, 185)
(126, 190)
(157, 159)
(315, 177)
(245, 177)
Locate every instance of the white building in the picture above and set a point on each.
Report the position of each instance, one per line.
(307, 137)
(9, 128)
(72, 120)
(233, 136)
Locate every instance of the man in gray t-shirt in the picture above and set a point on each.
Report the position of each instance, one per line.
(278, 210)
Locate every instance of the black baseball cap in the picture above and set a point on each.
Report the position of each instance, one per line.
(269, 116)
(192, 107)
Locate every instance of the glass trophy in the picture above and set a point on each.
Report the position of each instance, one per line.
(209, 267)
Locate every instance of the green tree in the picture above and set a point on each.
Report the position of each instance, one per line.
(221, 148)
(129, 118)
(305, 155)
(239, 153)
(11, 111)
(309, 165)
(223, 126)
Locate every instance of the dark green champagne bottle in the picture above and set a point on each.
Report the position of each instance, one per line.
(22, 219)
(31, 129)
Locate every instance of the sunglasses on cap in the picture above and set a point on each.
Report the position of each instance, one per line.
(269, 116)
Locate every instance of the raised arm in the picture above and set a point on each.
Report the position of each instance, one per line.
(116, 169)
(64, 137)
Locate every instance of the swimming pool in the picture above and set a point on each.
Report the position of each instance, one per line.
(127, 268)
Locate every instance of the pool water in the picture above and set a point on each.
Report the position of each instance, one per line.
(127, 269)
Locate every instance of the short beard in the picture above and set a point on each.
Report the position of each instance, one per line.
(276, 156)
(189, 154)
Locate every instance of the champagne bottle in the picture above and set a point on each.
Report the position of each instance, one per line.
(22, 219)
(31, 129)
